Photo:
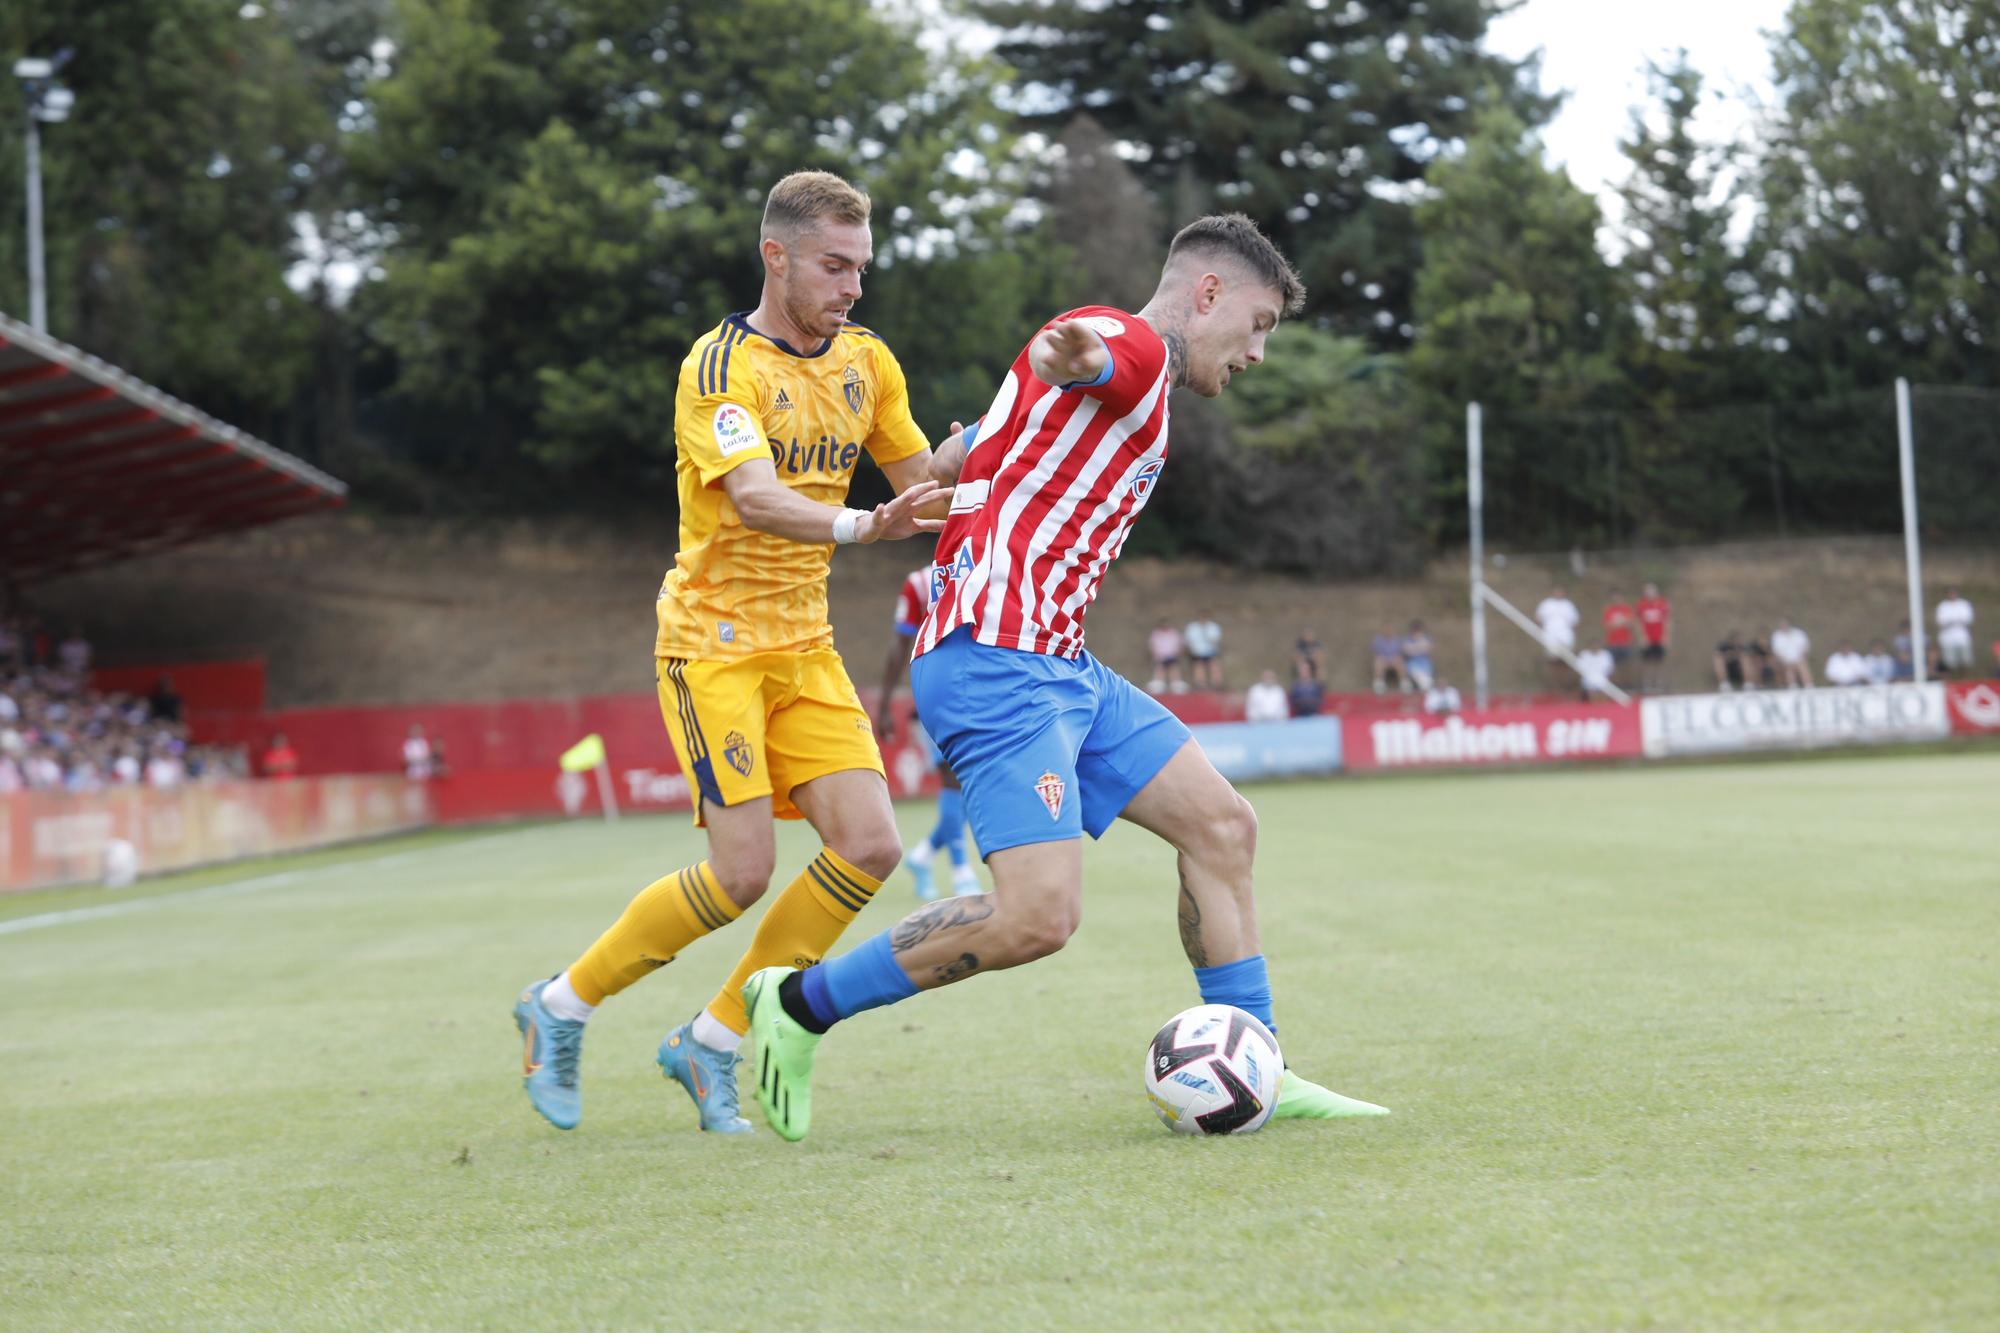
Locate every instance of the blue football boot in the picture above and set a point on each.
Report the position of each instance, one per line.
(708, 1075)
(553, 1048)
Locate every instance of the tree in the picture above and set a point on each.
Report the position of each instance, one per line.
(1313, 118)
(1881, 221)
(1515, 309)
(172, 195)
(1688, 283)
(570, 194)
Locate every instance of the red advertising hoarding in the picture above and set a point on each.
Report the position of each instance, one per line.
(1974, 706)
(1552, 733)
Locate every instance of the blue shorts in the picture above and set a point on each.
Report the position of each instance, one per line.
(1046, 748)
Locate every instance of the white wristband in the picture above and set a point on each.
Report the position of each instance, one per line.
(844, 524)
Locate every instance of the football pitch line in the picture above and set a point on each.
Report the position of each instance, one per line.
(254, 884)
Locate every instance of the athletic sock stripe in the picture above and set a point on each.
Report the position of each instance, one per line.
(711, 897)
(695, 904)
(826, 863)
(834, 891)
(697, 896)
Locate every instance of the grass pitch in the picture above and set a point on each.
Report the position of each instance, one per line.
(1687, 1047)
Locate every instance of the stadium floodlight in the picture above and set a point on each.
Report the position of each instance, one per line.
(47, 103)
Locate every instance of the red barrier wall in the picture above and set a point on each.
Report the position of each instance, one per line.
(232, 687)
(1543, 734)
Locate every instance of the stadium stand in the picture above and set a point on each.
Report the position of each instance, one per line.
(96, 465)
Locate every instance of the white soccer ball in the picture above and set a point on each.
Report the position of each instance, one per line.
(1214, 1069)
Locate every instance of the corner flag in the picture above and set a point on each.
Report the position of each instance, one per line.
(585, 755)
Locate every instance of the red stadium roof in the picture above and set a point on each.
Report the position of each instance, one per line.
(96, 466)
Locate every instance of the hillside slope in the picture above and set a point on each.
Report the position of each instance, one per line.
(353, 608)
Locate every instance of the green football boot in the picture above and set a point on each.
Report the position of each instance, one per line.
(1300, 1099)
(784, 1059)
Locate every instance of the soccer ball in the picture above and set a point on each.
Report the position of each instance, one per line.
(1214, 1069)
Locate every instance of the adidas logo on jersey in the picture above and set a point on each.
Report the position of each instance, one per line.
(784, 402)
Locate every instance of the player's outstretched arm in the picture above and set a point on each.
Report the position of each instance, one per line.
(1068, 351)
(948, 459)
(768, 505)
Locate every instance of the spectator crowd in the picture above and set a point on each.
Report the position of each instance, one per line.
(57, 734)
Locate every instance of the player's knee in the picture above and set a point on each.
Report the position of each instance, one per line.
(1044, 934)
(744, 875)
(875, 851)
(1229, 833)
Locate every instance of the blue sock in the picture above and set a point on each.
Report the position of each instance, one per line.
(1245, 983)
(865, 977)
(950, 831)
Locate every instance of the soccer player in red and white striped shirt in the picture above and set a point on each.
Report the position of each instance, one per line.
(1048, 743)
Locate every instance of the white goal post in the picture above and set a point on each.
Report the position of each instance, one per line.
(1483, 596)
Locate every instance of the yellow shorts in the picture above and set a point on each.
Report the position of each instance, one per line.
(763, 724)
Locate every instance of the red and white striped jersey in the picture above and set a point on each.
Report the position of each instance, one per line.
(912, 600)
(1050, 488)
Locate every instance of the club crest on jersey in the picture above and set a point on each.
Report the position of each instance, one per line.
(1149, 476)
(853, 386)
(1050, 788)
(736, 749)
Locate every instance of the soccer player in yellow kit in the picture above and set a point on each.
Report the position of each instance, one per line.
(774, 410)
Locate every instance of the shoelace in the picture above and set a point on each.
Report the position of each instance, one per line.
(725, 1080)
(566, 1043)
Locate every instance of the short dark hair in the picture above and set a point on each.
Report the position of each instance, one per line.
(1235, 235)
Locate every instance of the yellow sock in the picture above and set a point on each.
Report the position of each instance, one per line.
(798, 929)
(666, 917)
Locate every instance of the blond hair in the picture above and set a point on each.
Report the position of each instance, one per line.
(805, 199)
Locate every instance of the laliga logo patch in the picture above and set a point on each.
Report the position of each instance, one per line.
(736, 750)
(852, 386)
(1050, 788)
(734, 431)
(1102, 325)
(1149, 475)
(1980, 706)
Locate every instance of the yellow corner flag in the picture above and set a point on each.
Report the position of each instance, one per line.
(585, 755)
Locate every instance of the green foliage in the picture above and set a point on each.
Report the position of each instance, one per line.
(572, 195)
(1881, 223)
(1311, 117)
(171, 193)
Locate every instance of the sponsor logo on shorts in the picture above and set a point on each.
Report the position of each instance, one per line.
(735, 431)
(854, 387)
(725, 630)
(1050, 788)
(736, 749)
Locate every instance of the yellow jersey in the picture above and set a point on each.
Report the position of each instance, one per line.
(734, 591)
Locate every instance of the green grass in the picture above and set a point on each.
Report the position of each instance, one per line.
(1702, 1047)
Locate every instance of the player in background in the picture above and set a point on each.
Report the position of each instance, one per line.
(1048, 742)
(772, 414)
(913, 599)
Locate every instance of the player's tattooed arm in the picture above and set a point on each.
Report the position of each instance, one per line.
(947, 914)
(948, 459)
(1190, 918)
(957, 969)
(1176, 358)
